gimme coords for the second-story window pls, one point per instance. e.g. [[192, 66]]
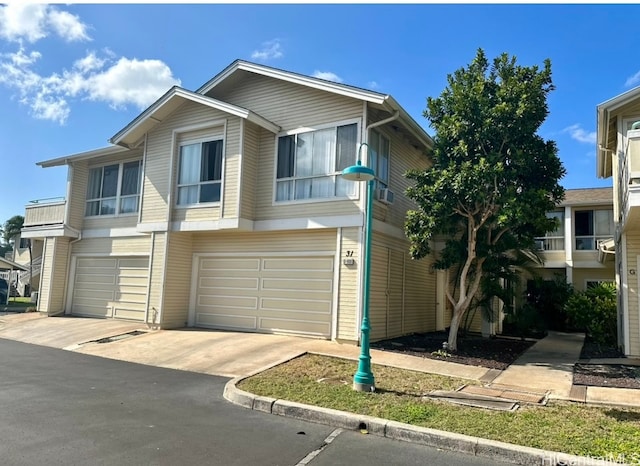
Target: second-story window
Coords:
[[591, 227], [553, 240], [379, 158], [309, 163], [114, 189], [200, 173]]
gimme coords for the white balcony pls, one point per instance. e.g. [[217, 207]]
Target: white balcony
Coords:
[[46, 217], [630, 182]]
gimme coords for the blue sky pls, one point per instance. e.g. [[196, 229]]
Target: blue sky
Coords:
[[71, 76]]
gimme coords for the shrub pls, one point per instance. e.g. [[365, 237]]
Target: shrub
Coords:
[[594, 311]]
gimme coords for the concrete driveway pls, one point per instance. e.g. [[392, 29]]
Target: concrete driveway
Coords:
[[229, 354]]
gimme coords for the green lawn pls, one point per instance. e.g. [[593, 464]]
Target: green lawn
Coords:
[[560, 426]]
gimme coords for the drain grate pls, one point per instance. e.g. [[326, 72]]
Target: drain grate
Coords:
[[525, 397], [119, 337]]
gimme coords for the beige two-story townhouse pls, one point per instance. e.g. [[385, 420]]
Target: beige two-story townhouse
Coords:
[[224, 208], [618, 157]]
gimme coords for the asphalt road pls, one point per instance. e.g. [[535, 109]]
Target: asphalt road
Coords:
[[63, 408]]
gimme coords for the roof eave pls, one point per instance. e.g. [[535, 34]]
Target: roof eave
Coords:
[[411, 124], [109, 150]]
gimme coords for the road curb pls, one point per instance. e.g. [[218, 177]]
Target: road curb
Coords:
[[475, 446]]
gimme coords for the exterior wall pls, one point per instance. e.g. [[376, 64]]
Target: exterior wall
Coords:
[[78, 195], [158, 183], [403, 291], [289, 105], [249, 176], [122, 246], [348, 328], [157, 271], [633, 304], [580, 276], [177, 283], [54, 276]]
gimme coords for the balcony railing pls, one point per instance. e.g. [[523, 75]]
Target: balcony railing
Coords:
[[45, 212]]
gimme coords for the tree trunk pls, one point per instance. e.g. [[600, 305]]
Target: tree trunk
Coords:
[[456, 318]]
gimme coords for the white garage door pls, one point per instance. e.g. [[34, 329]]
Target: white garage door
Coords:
[[110, 287], [265, 294]]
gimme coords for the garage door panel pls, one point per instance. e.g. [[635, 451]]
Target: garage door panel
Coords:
[[297, 284], [295, 326], [230, 264], [226, 321], [228, 302], [110, 287], [232, 283], [295, 264], [97, 263], [291, 294]]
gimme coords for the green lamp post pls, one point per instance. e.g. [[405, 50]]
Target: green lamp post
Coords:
[[363, 380]]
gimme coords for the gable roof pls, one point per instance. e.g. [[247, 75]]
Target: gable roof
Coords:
[[588, 196], [384, 100], [131, 135], [603, 115]]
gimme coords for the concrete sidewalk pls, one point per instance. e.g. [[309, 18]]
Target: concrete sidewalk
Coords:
[[546, 367]]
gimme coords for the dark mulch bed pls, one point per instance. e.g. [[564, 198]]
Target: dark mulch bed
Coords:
[[604, 375], [493, 353]]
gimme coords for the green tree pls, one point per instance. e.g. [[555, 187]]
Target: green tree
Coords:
[[12, 227], [493, 178]]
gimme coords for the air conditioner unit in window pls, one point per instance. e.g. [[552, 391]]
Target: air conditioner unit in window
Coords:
[[384, 195]]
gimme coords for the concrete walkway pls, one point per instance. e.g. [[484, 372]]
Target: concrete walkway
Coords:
[[547, 367]]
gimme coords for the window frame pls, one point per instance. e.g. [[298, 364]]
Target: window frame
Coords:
[[118, 197], [378, 181], [595, 237], [201, 141], [335, 174], [548, 238]]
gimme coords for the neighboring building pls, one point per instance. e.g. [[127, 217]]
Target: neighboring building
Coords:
[[224, 208], [577, 249], [28, 280], [618, 156]]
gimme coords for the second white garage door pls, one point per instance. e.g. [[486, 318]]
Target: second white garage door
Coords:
[[110, 287], [290, 294]]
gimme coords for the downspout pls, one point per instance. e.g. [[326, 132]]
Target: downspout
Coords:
[[393, 117]]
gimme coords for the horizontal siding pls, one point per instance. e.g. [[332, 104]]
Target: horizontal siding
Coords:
[[250, 153], [265, 242], [231, 195], [289, 105], [156, 248], [633, 251], [348, 286], [403, 157], [159, 150], [177, 285], [56, 276], [46, 275], [124, 221], [78, 196], [137, 245]]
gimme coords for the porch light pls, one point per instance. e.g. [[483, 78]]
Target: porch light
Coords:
[[363, 379]]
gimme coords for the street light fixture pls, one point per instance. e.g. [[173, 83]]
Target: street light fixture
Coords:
[[363, 380]]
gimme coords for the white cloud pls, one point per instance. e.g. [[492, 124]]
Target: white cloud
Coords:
[[327, 76], [270, 50], [31, 22], [633, 80], [580, 135], [120, 83], [373, 85]]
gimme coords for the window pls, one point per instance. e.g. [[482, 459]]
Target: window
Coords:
[[309, 164], [114, 189], [200, 173], [24, 243], [379, 158], [553, 240], [592, 226]]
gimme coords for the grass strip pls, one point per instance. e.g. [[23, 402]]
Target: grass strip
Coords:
[[573, 428]]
